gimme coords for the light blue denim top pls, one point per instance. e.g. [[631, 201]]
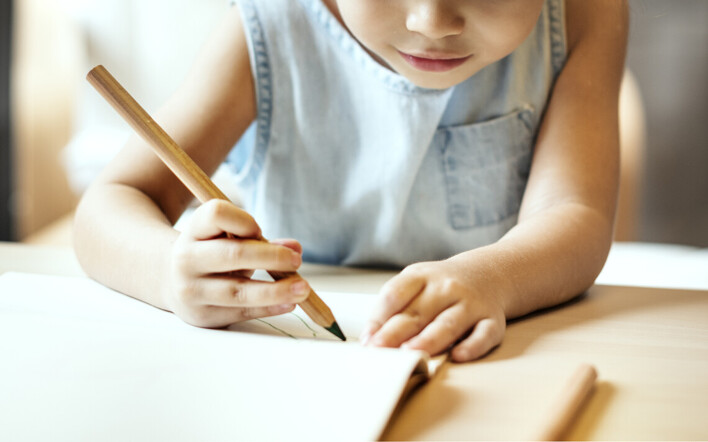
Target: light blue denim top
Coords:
[[365, 168]]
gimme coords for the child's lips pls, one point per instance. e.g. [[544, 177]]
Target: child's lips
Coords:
[[432, 62]]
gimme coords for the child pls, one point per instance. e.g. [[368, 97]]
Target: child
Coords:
[[473, 142]]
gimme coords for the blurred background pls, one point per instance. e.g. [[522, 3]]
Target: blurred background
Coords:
[[56, 133]]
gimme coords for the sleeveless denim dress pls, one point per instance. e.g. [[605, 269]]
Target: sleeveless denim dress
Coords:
[[365, 168]]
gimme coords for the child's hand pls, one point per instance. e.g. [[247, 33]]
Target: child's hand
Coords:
[[209, 283], [432, 306]]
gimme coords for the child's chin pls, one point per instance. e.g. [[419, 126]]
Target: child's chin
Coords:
[[435, 80]]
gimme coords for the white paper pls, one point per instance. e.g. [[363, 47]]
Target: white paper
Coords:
[[350, 311], [82, 362]]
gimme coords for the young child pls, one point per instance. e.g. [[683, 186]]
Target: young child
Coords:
[[473, 142]]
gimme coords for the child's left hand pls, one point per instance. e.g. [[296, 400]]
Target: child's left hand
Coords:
[[433, 306]]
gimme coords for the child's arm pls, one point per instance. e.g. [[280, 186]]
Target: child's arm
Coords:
[[566, 220], [123, 228]]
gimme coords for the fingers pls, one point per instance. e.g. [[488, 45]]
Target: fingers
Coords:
[[202, 249], [214, 317], [396, 294], [486, 335], [223, 255], [410, 321], [430, 308], [445, 329], [242, 292], [289, 243], [211, 277], [215, 217], [220, 301]]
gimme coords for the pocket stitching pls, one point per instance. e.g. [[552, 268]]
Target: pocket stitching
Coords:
[[463, 214]]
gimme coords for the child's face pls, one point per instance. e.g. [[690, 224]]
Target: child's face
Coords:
[[439, 43]]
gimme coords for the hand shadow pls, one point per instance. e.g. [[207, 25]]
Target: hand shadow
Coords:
[[602, 308], [412, 417]]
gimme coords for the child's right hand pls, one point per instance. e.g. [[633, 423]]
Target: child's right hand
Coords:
[[209, 276]]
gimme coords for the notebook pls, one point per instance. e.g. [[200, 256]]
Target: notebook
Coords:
[[83, 362]]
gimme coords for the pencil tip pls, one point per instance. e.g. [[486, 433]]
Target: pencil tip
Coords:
[[336, 331]]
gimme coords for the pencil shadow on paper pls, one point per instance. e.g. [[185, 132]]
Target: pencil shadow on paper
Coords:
[[289, 326], [297, 326], [351, 311]]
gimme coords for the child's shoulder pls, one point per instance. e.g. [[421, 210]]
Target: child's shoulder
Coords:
[[284, 22], [277, 9], [595, 20]]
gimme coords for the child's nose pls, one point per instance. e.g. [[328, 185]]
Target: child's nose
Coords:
[[432, 19]]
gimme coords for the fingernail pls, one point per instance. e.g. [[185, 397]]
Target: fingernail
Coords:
[[364, 338], [296, 259], [374, 341], [378, 341], [412, 343], [300, 288]]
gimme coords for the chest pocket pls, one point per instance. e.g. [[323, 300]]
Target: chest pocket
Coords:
[[485, 167]]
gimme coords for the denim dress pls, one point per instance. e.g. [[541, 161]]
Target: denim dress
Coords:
[[365, 168]]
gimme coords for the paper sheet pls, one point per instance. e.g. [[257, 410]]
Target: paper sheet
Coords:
[[82, 362], [350, 310]]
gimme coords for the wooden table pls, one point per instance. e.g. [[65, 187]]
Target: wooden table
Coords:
[[650, 347]]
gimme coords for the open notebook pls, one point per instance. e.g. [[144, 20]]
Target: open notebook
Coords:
[[82, 362]]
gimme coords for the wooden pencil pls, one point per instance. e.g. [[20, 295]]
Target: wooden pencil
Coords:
[[189, 173], [567, 404]]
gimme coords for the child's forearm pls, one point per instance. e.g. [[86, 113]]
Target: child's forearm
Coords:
[[546, 259], [122, 240]]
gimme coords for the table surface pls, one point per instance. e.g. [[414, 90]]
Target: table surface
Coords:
[[649, 345]]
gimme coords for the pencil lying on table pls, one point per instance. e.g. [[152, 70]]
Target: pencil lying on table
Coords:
[[189, 173], [567, 404]]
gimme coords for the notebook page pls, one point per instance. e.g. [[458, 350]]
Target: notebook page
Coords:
[[84, 362]]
